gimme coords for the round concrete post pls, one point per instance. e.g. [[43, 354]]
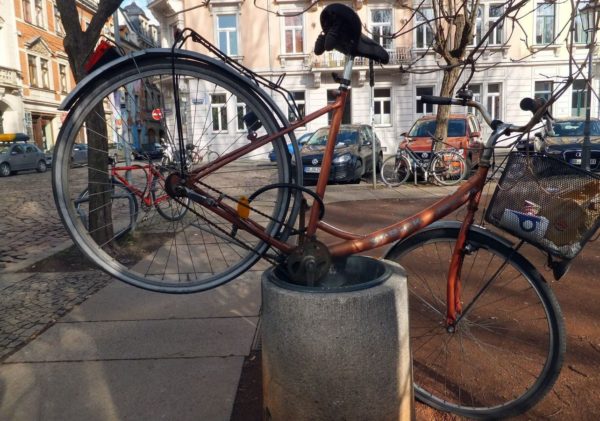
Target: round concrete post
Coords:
[[339, 354]]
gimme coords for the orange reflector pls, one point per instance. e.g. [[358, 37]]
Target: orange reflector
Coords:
[[243, 207]]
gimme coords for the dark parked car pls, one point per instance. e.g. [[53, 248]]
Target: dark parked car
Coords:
[[19, 156], [352, 156], [148, 151], [79, 155], [301, 141], [464, 134], [566, 140]]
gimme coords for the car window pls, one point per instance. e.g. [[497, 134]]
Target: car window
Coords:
[[575, 128], [347, 136], [30, 149], [457, 128], [4, 148], [18, 149], [426, 128]]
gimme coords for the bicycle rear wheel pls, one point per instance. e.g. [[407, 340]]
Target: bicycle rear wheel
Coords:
[[395, 170], [507, 349], [448, 168], [194, 249]]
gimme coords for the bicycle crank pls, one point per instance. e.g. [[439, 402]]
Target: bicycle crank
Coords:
[[308, 263]]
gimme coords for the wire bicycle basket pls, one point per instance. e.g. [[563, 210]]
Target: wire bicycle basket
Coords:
[[547, 202]]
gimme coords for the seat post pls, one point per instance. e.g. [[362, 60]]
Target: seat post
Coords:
[[347, 75]]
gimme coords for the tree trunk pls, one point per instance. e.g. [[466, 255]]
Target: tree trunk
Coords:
[[443, 112]]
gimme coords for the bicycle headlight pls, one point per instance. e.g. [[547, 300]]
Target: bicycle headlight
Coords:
[[342, 158]]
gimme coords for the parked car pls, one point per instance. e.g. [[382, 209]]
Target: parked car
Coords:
[[301, 141], [464, 134], [79, 155], [566, 141], [19, 156], [352, 156], [148, 151]]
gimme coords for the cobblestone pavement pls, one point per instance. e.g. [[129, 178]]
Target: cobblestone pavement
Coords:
[[29, 223], [30, 229], [31, 302]]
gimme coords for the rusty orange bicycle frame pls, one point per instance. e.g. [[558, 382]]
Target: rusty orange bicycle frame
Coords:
[[469, 192]]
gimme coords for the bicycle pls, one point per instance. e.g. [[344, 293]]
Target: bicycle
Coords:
[[196, 157], [447, 166], [124, 196], [489, 303]]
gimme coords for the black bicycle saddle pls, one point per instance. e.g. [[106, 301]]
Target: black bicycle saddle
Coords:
[[342, 32]]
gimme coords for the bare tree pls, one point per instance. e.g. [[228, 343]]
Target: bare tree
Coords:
[[79, 44]]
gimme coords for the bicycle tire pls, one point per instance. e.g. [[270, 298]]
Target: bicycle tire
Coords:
[[212, 156], [200, 250], [167, 207], [506, 352], [122, 200], [448, 168], [395, 170]]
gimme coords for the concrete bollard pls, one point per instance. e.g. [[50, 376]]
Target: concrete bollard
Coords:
[[342, 354]]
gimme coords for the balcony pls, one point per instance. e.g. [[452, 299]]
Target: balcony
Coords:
[[9, 78], [332, 59]]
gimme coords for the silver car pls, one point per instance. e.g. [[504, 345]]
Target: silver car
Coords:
[[20, 156]]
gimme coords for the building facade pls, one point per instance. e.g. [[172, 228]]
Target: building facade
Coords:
[[274, 44]]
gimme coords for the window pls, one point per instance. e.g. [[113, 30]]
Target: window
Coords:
[[382, 106], [421, 107], [33, 72], [580, 98], [58, 26], [476, 89], [424, 35], [27, 11], [293, 34], [381, 27], [347, 117], [38, 13], [227, 34], [62, 76], [478, 32], [543, 89], [580, 36], [45, 73], [496, 12], [241, 112], [493, 100], [544, 23], [219, 112], [300, 100]]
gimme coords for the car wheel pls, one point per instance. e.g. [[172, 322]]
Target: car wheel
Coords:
[[41, 166], [358, 172], [4, 169], [379, 163]]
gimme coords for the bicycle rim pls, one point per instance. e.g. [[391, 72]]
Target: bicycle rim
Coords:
[[395, 171], [506, 351], [448, 168], [184, 253]]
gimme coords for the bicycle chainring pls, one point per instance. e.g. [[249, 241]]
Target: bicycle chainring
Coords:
[[308, 263]]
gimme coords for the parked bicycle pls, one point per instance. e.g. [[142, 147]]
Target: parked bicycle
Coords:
[[126, 197], [197, 155], [447, 166], [478, 307]]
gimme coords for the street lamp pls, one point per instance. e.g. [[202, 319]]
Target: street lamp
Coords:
[[589, 22]]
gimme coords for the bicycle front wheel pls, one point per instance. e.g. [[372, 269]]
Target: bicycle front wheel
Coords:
[[507, 347], [395, 170], [448, 168], [190, 249]]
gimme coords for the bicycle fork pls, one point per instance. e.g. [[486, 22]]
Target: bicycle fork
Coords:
[[453, 286]]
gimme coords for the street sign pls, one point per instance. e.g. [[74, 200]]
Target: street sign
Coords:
[[156, 114]]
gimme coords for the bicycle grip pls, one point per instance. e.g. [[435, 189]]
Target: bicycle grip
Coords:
[[440, 100]]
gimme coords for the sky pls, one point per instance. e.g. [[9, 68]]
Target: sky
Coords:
[[142, 4]]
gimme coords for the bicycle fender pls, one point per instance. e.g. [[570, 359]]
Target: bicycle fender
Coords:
[[141, 56]]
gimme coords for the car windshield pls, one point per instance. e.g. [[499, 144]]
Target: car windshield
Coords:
[[347, 136], [4, 147], [574, 128], [426, 128]]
